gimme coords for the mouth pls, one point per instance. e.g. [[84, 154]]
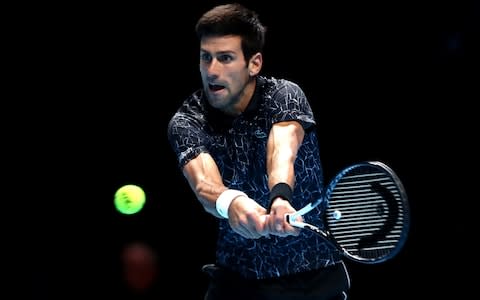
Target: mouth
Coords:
[[215, 87]]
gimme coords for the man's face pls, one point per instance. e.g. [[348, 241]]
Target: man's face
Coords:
[[224, 71]]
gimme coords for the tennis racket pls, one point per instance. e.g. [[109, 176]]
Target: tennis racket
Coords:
[[367, 213]]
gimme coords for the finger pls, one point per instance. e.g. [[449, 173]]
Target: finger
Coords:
[[263, 228], [292, 230], [254, 234], [248, 234], [278, 224], [281, 227], [240, 231]]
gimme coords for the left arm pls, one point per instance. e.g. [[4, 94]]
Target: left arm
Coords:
[[283, 143]]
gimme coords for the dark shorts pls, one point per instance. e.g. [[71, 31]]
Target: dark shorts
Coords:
[[330, 283]]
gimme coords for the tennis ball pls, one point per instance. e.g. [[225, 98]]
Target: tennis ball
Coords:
[[129, 199]]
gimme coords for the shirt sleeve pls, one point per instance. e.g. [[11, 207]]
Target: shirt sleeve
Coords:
[[186, 138], [289, 103]]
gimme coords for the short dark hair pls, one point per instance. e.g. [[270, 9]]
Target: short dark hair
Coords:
[[234, 19]]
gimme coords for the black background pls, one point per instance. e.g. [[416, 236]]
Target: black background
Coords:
[[387, 81]]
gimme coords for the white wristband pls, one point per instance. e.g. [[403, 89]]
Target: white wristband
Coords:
[[225, 199]]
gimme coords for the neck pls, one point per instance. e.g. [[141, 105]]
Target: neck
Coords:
[[243, 99]]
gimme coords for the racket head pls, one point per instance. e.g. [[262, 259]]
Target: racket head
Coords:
[[367, 214]]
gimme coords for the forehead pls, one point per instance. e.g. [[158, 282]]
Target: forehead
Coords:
[[228, 43]]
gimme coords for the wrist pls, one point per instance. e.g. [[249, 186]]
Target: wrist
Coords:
[[280, 190], [225, 199]]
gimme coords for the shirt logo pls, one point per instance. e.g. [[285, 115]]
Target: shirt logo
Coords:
[[260, 134]]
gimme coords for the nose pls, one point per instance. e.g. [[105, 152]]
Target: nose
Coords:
[[213, 68]]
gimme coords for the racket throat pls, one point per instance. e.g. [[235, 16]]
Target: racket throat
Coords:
[[317, 230]]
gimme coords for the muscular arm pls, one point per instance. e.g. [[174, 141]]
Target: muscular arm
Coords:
[[283, 143], [247, 217], [205, 180]]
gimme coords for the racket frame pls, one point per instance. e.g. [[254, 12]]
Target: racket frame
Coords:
[[294, 218]]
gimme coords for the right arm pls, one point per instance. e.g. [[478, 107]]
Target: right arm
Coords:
[[246, 216], [205, 180]]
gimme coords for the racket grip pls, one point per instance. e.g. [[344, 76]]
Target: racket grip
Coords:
[[288, 218]]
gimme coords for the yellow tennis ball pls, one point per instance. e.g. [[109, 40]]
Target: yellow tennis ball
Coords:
[[129, 199]]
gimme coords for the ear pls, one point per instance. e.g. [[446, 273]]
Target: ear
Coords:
[[255, 64]]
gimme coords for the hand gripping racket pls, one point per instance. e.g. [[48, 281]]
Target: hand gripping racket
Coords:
[[367, 213]]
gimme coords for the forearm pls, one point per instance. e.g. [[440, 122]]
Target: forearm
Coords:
[[207, 193], [283, 144], [205, 181], [284, 141], [281, 169]]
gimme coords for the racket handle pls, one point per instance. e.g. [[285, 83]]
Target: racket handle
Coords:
[[289, 218]]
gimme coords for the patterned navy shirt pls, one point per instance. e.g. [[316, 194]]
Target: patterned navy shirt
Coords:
[[238, 145]]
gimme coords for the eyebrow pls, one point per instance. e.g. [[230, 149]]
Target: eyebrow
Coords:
[[220, 52]]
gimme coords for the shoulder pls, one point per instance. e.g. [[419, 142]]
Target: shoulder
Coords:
[[280, 88], [192, 109], [194, 100], [193, 104], [274, 84]]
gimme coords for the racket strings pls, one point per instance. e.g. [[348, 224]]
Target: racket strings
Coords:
[[366, 213]]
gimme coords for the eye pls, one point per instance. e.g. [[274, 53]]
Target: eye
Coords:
[[205, 57], [225, 58]]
